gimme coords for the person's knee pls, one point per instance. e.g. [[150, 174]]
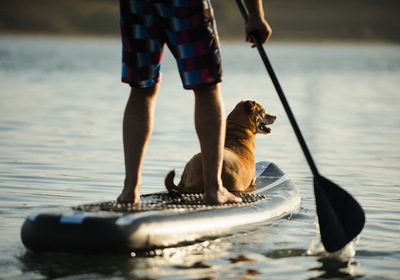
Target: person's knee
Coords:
[[147, 92], [143, 96], [207, 90]]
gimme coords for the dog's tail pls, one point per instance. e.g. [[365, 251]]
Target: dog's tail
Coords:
[[173, 190], [169, 181]]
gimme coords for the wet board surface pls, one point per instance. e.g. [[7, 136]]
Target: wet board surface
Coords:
[[161, 220]]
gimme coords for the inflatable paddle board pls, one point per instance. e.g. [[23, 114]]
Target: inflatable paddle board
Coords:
[[161, 220]]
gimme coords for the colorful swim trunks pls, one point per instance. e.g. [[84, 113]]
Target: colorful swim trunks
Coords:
[[186, 26]]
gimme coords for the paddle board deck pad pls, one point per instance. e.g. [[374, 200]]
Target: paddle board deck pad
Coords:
[[160, 220]]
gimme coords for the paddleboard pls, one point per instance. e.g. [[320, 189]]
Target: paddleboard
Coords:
[[161, 220]]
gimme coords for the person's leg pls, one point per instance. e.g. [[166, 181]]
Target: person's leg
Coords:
[[137, 129], [210, 128]]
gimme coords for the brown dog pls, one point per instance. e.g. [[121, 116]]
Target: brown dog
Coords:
[[238, 172]]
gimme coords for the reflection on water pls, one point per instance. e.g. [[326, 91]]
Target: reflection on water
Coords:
[[188, 262], [61, 106]]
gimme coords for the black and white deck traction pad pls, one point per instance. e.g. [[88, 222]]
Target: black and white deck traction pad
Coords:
[[167, 201], [160, 220]]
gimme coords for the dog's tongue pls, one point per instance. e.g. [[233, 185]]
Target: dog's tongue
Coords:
[[265, 128]]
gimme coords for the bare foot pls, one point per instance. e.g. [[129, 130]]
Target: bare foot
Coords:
[[128, 198], [221, 197]]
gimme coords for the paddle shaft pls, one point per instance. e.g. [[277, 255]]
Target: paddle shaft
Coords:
[[281, 95], [340, 216]]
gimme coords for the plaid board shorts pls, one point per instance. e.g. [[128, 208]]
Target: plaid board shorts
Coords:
[[186, 26]]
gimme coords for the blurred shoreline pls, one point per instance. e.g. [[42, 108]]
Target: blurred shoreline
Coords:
[[223, 40], [363, 21]]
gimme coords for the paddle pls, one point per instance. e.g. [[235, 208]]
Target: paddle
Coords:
[[340, 216]]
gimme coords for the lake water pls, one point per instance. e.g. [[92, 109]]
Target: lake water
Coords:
[[61, 106]]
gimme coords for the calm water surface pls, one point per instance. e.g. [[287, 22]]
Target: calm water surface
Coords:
[[61, 106]]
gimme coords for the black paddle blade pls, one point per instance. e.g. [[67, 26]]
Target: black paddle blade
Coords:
[[340, 216]]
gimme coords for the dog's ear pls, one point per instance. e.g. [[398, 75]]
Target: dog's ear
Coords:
[[250, 106]]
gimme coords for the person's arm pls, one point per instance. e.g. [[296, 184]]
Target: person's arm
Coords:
[[257, 24]]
